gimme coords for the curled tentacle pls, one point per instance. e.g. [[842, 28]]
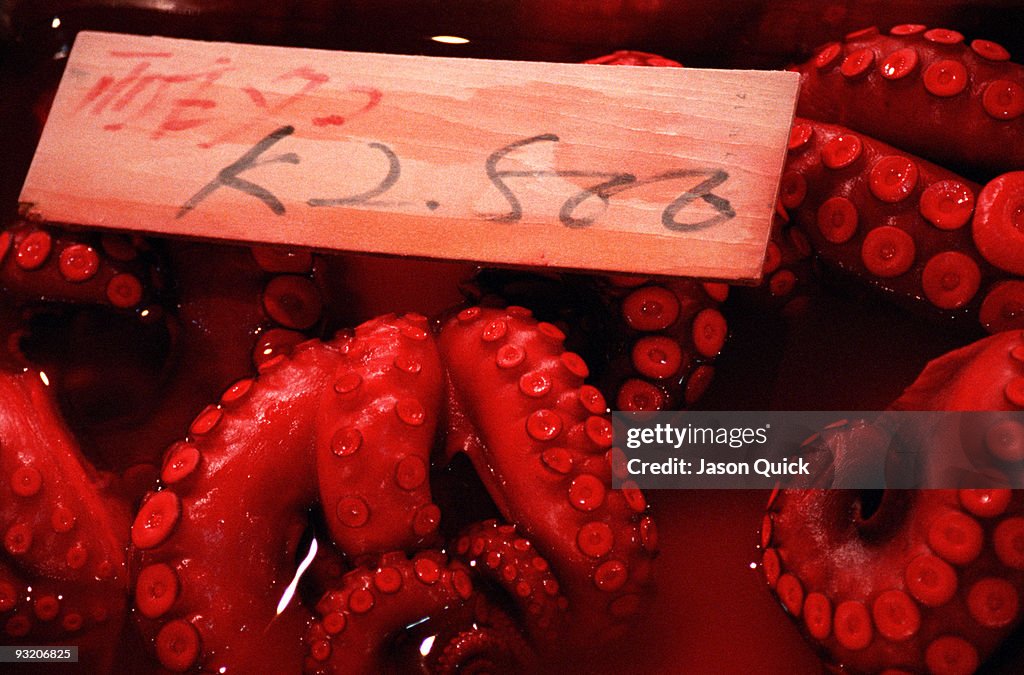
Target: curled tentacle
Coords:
[[925, 581], [63, 572], [42, 267], [492, 645], [230, 308], [927, 90], [205, 314], [346, 424], [497, 552], [404, 612], [540, 441], [922, 581]]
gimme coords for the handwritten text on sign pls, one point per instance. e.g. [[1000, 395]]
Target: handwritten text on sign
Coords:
[[644, 170]]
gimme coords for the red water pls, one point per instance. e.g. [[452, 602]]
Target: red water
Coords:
[[712, 612]]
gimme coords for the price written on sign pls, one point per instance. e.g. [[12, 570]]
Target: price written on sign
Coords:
[[615, 169]]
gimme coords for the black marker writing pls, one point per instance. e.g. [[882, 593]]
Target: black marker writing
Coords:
[[515, 207], [700, 191], [228, 176], [668, 217], [394, 172], [615, 183], [611, 183]]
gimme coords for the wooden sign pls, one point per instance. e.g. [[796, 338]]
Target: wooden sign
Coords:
[[626, 169]]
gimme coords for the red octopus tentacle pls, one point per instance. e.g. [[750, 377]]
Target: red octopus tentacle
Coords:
[[226, 308], [496, 551], [539, 439], [656, 339], [997, 222], [230, 308], [788, 277], [630, 57], [895, 220], [42, 262], [672, 332], [985, 375], [247, 306], [63, 572], [241, 487], [492, 645], [927, 580], [928, 90], [375, 432], [363, 623], [231, 494]]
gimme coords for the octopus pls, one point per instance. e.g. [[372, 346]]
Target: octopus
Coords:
[[922, 235], [334, 442], [905, 581], [440, 493]]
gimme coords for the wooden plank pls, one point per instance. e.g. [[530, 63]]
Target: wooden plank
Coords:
[[635, 170]]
